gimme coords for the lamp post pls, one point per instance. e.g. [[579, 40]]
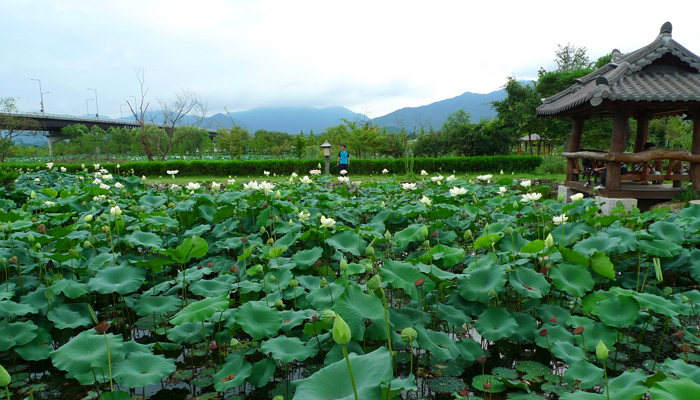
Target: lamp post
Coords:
[[41, 93], [326, 148], [97, 107], [121, 114]]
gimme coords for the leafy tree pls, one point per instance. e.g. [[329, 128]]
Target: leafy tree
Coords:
[[433, 144], [12, 126], [234, 140], [299, 145], [517, 112], [671, 132], [570, 58]]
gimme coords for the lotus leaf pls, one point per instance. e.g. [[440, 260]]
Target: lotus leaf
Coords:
[[142, 369], [572, 279], [158, 305], [123, 279], [71, 315], [258, 320], [599, 243], [86, 351], [588, 374], [411, 233], [200, 310], [601, 264], [306, 258], [234, 372], [479, 283], [219, 286], [190, 332], [286, 349], [618, 311], [11, 310], [194, 247], [496, 323], [667, 231], [529, 283], [38, 349], [348, 242], [497, 385], [17, 334], [333, 381], [398, 385], [356, 306], [439, 344], [403, 276], [262, 372], [70, 288]]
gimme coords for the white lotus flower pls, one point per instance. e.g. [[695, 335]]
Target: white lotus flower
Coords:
[[305, 179], [457, 191], [315, 172], [561, 219], [486, 177], [385, 171], [97, 181], [107, 177], [423, 173], [49, 203], [143, 177], [526, 183], [193, 186], [37, 179], [267, 173], [252, 185], [425, 200], [215, 186], [231, 181], [103, 186], [172, 173], [501, 172], [97, 166], [173, 187], [49, 165], [576, 197], [450, 179], [502, 190], [304, 216], [408, 186], [118, 166], [343, 179], [266, 187], [528, 197], [437, 179], [82, 166], [118, 185], [327, 222], [115, 211], [98, 174], [63, 169]]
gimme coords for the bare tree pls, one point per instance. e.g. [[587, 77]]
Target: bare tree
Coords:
[[182, 119], [139, 112], [12, 126]]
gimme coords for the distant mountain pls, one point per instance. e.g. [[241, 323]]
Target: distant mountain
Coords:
[[413, 118], [286, 119]]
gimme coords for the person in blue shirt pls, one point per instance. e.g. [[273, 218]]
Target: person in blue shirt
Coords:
[[343, 160]]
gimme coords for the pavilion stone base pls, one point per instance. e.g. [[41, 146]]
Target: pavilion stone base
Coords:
[[567, 192], [608, 203]]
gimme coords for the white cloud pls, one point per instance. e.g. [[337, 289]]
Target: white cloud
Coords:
[[372, 57]]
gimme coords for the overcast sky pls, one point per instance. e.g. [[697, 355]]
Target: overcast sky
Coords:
[[372, 57]]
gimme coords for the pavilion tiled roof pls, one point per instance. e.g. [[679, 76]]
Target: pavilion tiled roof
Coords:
[[663, 71]]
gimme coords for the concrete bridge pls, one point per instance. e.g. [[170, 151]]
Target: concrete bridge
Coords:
[[52, 124]]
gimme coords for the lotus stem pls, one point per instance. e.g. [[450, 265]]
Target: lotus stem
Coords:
[[109, 364], [388, 331], [661, 340], [352, 377], [7, 391], [607, 389]]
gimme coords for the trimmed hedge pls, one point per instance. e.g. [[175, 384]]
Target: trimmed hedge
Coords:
[[446, 165]]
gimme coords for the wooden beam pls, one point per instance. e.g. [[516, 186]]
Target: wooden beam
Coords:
[[574, 145], [695, 150], [617, 145], [644, 156]]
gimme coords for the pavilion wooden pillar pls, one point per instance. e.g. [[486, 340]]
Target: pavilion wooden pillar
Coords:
[[642, 132], [617, 146], [574, 145], [695, 149]]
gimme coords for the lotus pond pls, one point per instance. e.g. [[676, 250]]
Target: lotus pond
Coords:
[[445, 288]]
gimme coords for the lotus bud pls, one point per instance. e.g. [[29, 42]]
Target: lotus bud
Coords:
[[543, 332], [424, 231], [549, 241], [685, 298], [88, 218], [383, 204], [291, 222], [273, 278], [408, 335], [374, 283], [467, 234], [30, 238], [270, 241], [37, 246], [137, 227], [258, 268], [343, 264], [370, 250], [668, 291], [323, 283], [3, 227], [278, 195], [492, 293], [426, 243], [508, 230], [601, 351], [387, 235], [262, 230], [234, 342], [578, 331], [508, 269], [5, 378], [561, 197], [86, 244], [279, 303], [92, 239], [327, 318], [516, 205], [32, 195], [9, 225], [293, 283], [341, 331]]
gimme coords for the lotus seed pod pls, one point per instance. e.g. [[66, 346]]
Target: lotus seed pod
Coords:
[[327, 318], [4, 377], [424, 231], [341, 331], [86, 244], [408, 335], [492, 293], [37, 246], [508, 269], [467, 234], [12, 260], [258, 268], [279, 303], [370, 250], [273, 278], [343, 264], [163, 207], [508, 230], [86, 226], [374, 283], [426, 243], [323, 282], [293, 283], [601, 351], [668, 291], [137, 227], [72, 251]]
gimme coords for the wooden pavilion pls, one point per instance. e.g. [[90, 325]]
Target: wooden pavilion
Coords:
[[661, 79]]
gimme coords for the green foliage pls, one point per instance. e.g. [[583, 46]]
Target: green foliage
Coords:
[[552, 165]]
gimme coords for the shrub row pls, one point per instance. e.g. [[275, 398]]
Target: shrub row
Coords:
[[446, 165]]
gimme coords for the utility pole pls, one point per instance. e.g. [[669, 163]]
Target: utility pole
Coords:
[[97, 107]]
